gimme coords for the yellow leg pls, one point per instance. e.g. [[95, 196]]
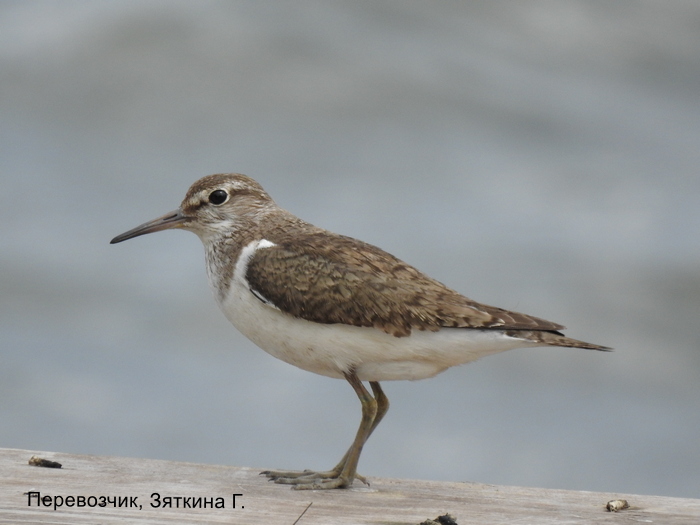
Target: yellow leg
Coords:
[[343, 474]]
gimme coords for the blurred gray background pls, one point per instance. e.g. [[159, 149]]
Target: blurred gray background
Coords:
[[540, 156]]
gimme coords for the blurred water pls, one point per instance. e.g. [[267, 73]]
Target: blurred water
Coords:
[[540, 156]]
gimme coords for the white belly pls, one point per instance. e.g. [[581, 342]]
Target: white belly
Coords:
[[331, 349]]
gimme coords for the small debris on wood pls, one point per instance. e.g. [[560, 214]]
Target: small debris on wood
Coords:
[[445, 519], [41, 462], [617, 505]]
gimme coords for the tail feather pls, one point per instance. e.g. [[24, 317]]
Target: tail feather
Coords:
[[552, 338]]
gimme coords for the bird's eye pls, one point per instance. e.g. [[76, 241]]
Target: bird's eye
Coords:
[[218, 197]]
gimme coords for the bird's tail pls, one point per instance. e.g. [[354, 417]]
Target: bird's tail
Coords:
[[552, 338]]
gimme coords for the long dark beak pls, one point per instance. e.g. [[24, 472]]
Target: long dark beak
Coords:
[[174, 219]]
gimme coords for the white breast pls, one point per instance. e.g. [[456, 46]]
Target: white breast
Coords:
[[331, 349]]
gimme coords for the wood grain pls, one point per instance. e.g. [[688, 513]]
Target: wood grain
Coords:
[[386, 501]]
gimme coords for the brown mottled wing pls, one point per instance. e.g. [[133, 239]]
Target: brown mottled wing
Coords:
[[329, 278]]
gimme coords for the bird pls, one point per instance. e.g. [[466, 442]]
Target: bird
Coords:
[[337, 306]]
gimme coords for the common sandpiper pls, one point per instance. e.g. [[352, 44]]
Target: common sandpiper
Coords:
[[337, 306]]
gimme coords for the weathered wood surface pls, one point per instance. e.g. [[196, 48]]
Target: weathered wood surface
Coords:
[[387, 501]]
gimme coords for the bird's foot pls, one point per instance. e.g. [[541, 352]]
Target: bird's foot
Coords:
[[312, 480]]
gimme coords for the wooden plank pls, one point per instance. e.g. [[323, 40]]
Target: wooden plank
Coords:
[[387, 501]]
